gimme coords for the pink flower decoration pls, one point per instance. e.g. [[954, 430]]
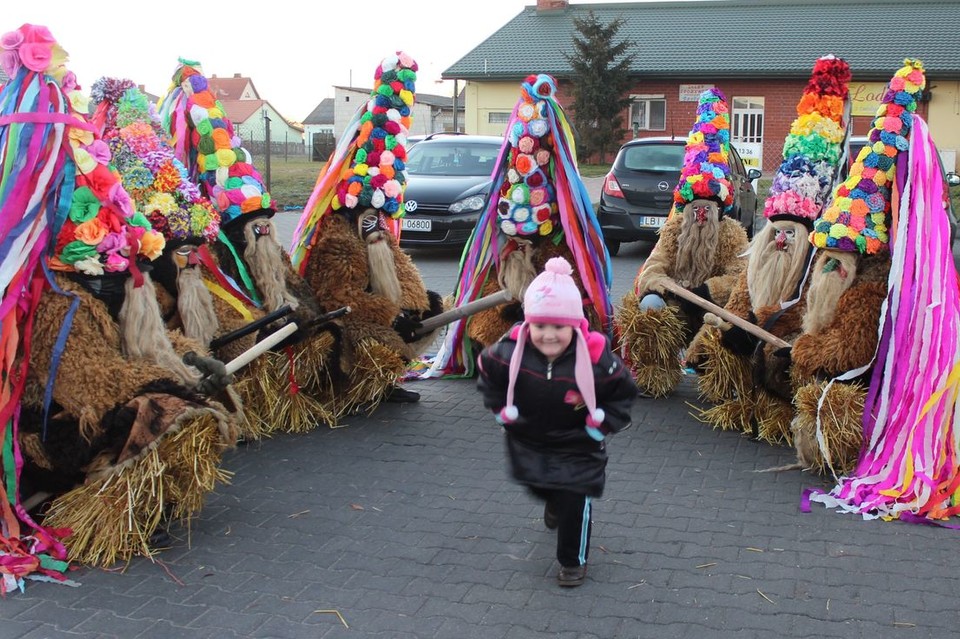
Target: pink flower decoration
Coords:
[[36, 56], [350, 201], [116, 263], [11, 39], [392, 188], [387, 158], [69, 82], [10, 62], [120, 198], [407, 61], [113, 242], [891, 124], [36, 34], [896, 83], [100, 151], [136, 232], [916, 77], [858, 222]]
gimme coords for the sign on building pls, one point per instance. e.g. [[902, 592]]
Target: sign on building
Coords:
[[691, 92], [751, 153], [865, 97]]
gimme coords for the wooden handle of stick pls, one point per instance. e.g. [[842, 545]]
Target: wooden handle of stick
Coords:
[[260, 348], [753, 329], [482, 304]]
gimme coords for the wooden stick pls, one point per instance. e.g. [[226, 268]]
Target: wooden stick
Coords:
[[482, 304], [749, 327], [260, 348]]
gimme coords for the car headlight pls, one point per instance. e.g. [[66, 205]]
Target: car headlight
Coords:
[[468, 204]]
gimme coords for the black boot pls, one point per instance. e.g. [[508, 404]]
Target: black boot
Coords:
[[399, 395]]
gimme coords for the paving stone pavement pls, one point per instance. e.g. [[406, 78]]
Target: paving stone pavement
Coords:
[[403, 524]]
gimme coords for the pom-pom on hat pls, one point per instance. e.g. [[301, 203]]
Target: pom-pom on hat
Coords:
[[144, 159], [224, 168], [376, 177], [553, 298], [706, 161], [813, 146], [857, 219], [527, 204]]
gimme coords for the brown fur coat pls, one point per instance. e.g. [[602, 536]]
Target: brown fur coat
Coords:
[[486, 327], [851, 338], [338, 272], [727, 267]]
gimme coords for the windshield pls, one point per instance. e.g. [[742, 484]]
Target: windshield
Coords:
[[452, 158], [653, 157]]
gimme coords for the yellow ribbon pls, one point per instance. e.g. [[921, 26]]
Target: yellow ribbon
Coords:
[[222, 293]]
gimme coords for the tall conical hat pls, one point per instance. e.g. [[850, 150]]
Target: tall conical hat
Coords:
[[706, 162], [144, 159], [858, 217], [205, 141], [813, 146]]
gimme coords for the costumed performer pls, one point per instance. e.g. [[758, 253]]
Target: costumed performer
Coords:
[[284, 391], [700, 248], [908, 464], [539, 209], [188, 275], [346, 247], [737, 371], [848, 286], [106, 400]]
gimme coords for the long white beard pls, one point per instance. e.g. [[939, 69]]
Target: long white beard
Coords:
[[773, 275], [268, 266], [143, 335], [826, 289], [195, 305], [696, 250], [383, 270]]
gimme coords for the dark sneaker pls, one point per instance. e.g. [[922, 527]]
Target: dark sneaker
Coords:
[[571, 576], [549, 517], [400, 395]]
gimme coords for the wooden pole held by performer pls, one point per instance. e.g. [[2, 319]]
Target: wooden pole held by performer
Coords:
[[482, 304], [749, 327]]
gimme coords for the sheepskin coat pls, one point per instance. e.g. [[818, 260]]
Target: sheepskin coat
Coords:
[[337, 270], [486, 327], [727, 265], [849, 341]]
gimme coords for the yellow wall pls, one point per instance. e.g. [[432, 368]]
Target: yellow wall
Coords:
[[944, 120], [482, 98]]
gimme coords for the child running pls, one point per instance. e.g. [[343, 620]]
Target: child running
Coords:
[[557, 401]]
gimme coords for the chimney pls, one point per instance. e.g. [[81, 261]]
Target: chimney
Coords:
[[236, 75], [552, 5]]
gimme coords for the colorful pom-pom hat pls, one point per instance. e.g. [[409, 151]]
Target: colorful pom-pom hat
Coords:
[[367, 170], [706, 161], [143, 158], [527, 204], [857, 219], [205, 141], [813, 146]]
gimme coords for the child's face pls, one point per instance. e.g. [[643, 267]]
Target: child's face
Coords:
[[551, 339]]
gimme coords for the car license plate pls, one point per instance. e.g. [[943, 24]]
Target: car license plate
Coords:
[[652, 221], [415, 224]]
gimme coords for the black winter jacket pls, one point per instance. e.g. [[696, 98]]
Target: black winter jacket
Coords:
[[548, 446]]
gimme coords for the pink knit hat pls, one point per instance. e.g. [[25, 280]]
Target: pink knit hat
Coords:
[[553, 298]]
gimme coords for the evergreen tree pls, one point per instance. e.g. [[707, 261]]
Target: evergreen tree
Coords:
[[601, 78]]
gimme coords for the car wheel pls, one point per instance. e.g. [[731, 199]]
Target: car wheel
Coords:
[[613, 247]]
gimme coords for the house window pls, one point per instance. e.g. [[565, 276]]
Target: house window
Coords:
[[648, 113], [498, 117], [748, 120]]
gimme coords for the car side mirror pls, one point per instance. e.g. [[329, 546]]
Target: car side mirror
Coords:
[[753, 174], [953, 179]]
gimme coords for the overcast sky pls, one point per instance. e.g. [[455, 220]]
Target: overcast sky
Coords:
[[294, 55]]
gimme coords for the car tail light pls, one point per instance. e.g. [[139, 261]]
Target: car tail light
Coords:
[[611, 187]]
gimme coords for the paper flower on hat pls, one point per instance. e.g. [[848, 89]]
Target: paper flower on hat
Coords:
[[527, 204], [225, 169], [376, 176], [706, 165], [857, 219], [813, 146], [145, 161]]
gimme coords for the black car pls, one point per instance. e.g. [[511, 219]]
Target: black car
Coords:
[[448, 183], [637, 193], [951, 179]]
